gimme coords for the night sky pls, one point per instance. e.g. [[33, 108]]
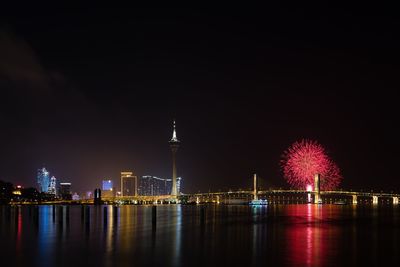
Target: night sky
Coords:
[[92, 92]]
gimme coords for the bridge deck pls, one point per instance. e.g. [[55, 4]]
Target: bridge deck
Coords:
[[217, 196]]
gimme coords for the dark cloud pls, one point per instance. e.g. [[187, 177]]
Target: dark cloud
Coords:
[[20, 64], [25, 81]]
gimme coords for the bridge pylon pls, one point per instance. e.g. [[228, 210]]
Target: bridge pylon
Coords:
[[317, 197], [255, 194]]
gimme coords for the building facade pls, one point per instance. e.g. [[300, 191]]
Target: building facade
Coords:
[[43, 180], [129, 184], [107, 188], [52, 187], [65, 191], [107, 185], [156, 186]]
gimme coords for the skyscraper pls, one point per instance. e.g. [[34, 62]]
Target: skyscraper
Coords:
[[107, 188], [174, 144], [52, 186], [156, 186], [65, 191], [43, 179], [107, 185], [153, 186], [128, 184]]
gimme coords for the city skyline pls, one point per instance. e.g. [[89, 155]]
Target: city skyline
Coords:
[[51, 183], [89, 106], [174, 144]]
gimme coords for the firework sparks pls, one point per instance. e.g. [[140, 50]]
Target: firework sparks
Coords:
[[305, 158]]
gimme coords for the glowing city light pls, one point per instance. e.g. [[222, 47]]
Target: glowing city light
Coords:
[[16, 192]]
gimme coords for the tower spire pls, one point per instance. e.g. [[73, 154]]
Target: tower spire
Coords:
[[174, 138]]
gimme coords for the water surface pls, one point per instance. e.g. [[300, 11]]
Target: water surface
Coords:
[[284, 235]]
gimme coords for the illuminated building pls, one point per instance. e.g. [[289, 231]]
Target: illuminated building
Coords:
[[108, 188], [52, 187], [128, 184], [75, 196], [17, 190], [65, 191], [174, 144], [107, 185], [43, 179], [155, 186]]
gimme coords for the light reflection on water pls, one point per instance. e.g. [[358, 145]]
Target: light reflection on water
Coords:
[[291, 235]]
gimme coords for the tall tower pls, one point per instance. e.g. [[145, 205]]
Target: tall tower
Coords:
[[174, 144]]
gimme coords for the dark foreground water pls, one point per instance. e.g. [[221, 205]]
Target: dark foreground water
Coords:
[[287, 235]]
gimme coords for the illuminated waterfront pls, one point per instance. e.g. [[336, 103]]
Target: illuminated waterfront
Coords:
[[197, 235]]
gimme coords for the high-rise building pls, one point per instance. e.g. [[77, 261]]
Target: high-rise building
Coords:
[[52, 187], [107, 185], [155, 186], [107, 188], [43, 179], [128, 184], [174, 144], [65, 191], [97, 196]]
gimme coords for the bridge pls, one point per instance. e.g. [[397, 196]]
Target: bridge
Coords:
[[273, 197], [311, 195], [245, 196], [296, 197]]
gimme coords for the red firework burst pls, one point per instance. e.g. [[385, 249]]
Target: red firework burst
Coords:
[[305, 158]]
